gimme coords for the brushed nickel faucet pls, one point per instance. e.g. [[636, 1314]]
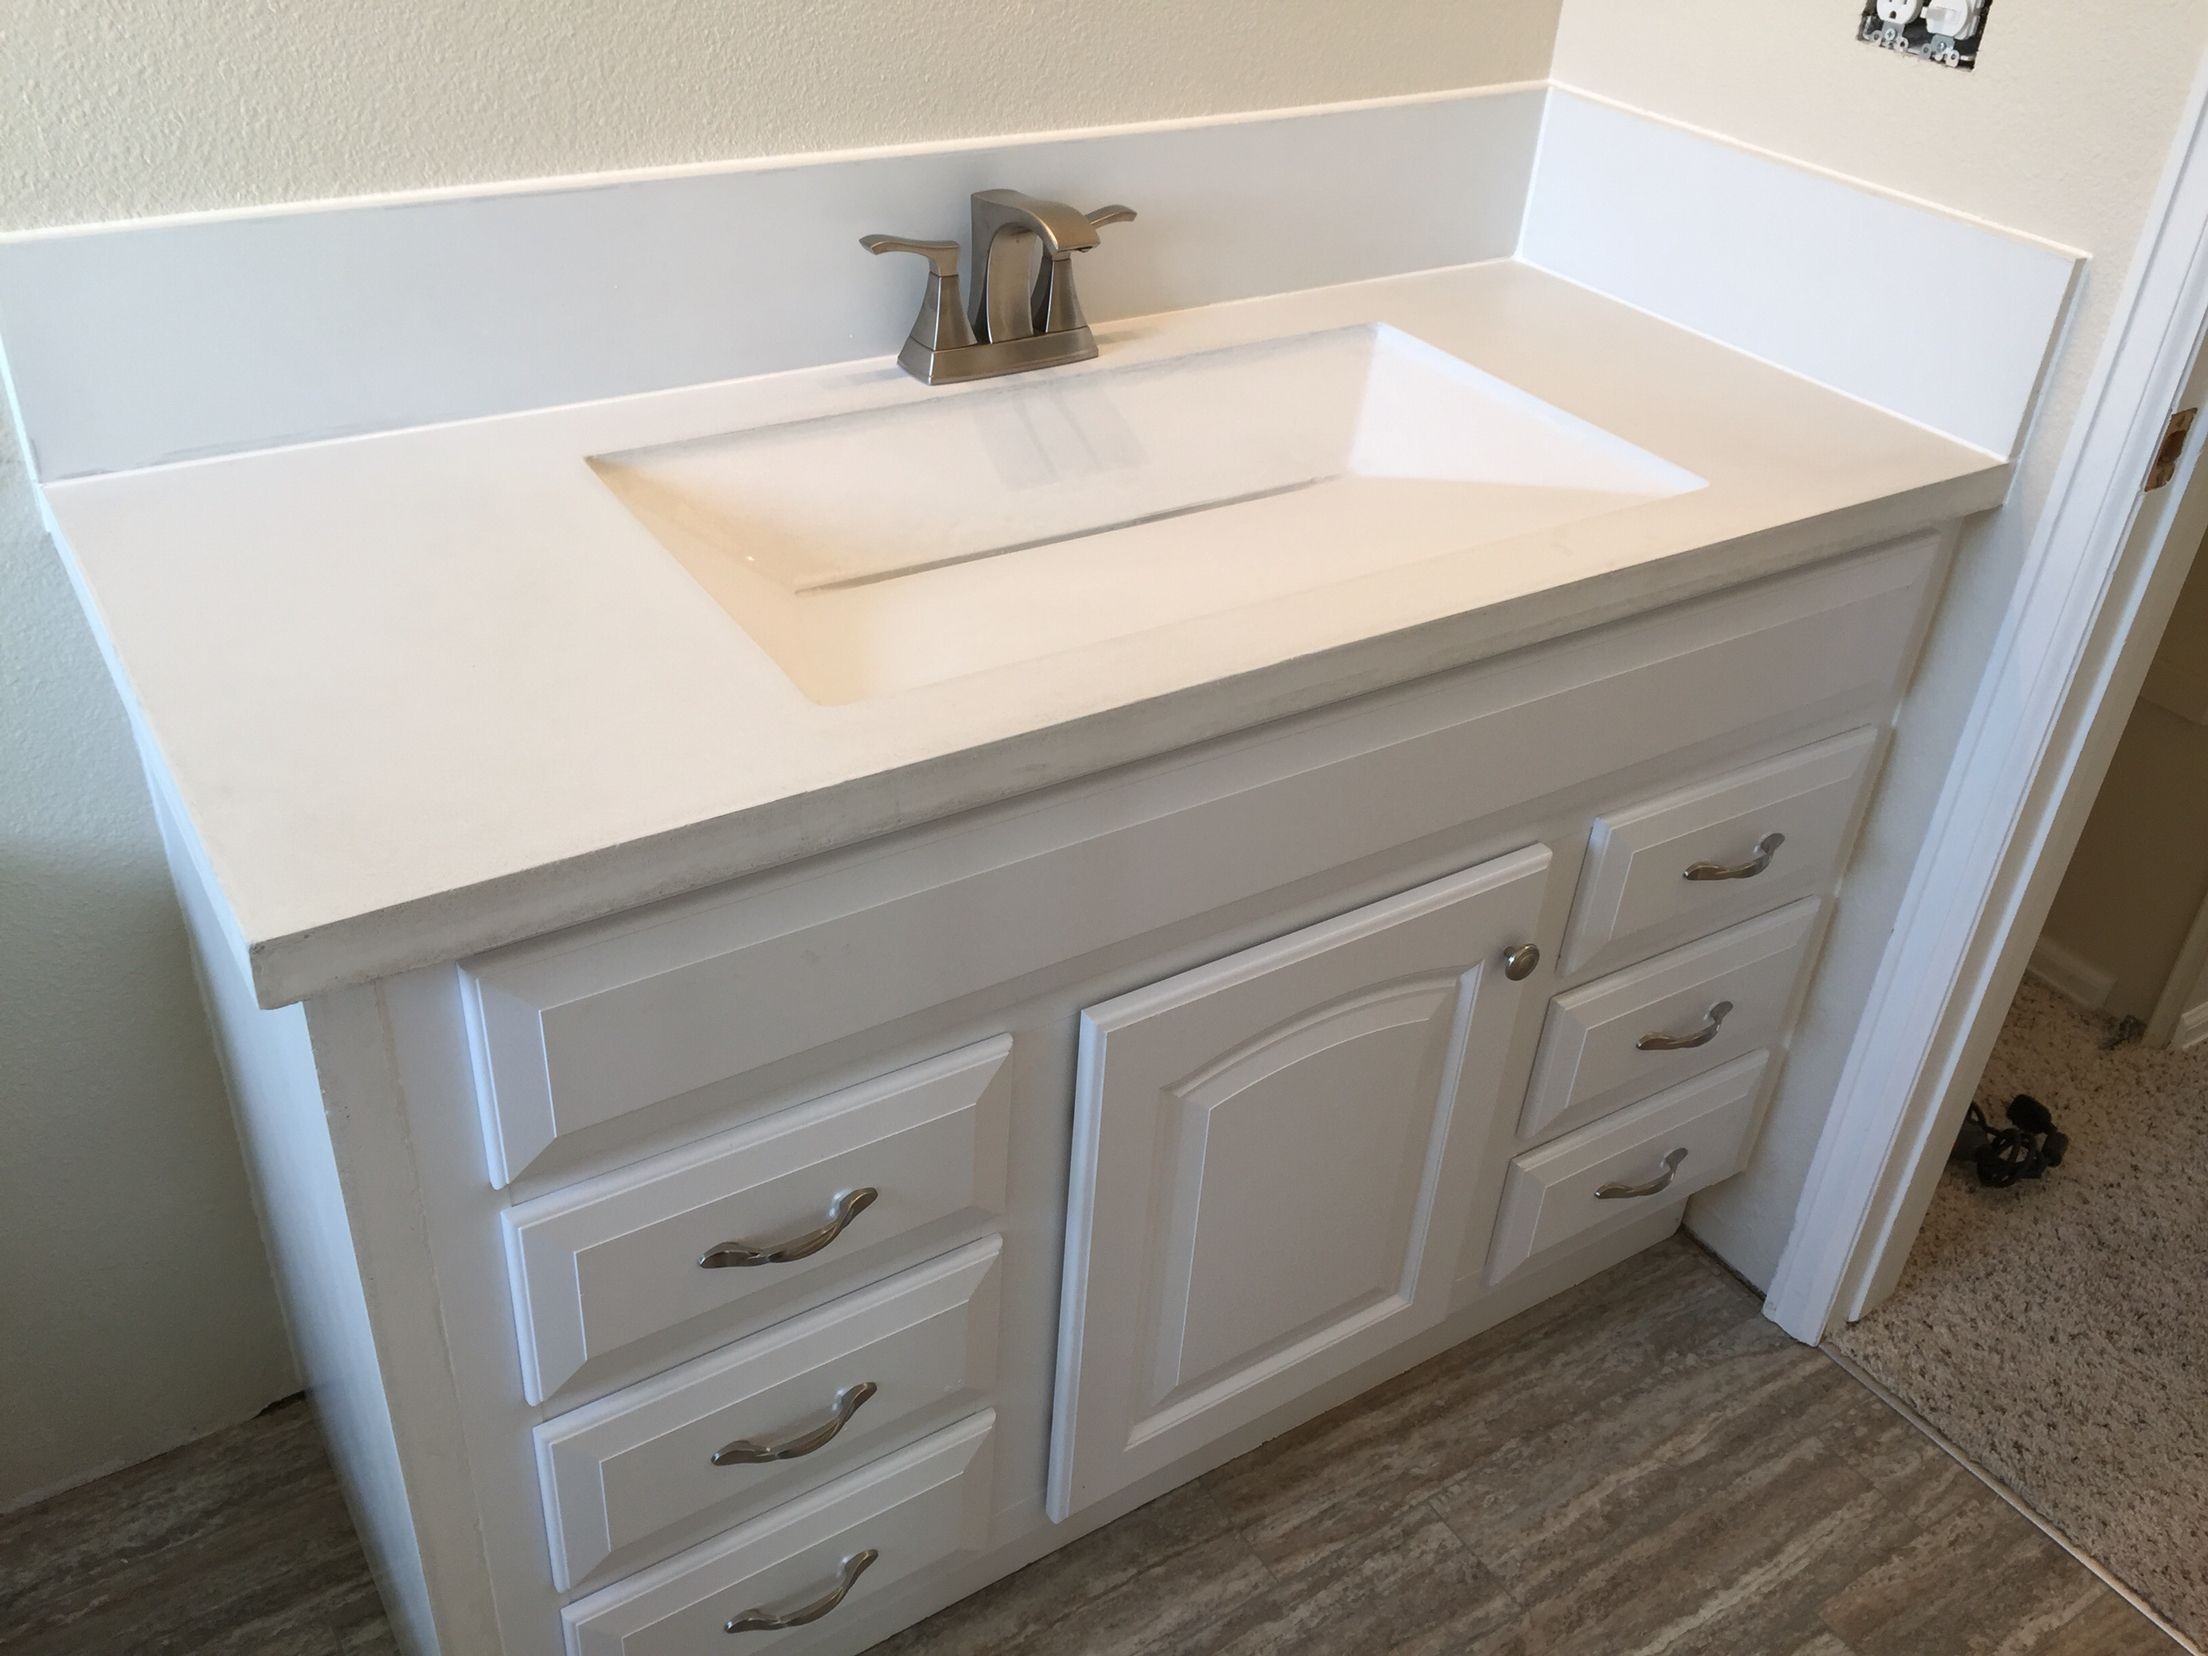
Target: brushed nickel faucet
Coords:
[[1016, 324]]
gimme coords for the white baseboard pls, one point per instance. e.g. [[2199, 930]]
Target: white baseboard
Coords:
[[2069, 973], [2192, 1026]]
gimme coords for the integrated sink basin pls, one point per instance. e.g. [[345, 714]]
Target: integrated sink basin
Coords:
[[884, 549]]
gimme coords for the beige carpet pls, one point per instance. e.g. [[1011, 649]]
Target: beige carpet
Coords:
[[2057, 1331]]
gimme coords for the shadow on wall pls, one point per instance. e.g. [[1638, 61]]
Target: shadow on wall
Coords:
[[2136, 884], [134, 1290]]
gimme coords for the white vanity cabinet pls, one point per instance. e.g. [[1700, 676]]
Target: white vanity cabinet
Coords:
[[811, 1250]]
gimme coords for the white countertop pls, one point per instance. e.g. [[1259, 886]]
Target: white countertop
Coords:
[[429, 691]]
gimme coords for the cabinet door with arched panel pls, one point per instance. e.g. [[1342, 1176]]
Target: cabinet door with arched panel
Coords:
[[1278, 1160]]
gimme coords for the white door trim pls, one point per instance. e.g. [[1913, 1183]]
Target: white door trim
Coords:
[[2067, 665], [2181, 1014]]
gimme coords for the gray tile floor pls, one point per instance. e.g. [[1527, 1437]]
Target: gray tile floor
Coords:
[[238, 1543], [1643, 1465]]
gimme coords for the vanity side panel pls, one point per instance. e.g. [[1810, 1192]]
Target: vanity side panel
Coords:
[[289, 1123], [268, 1061]]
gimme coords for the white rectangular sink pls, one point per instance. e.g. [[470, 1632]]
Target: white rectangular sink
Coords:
[[889, 548]]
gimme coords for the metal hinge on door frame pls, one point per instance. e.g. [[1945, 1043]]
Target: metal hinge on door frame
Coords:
[[2164, 469]]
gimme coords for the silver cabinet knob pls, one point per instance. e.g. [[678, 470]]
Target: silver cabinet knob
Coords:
[[1519, 962]]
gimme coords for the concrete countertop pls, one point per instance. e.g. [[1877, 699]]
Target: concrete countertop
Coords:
[[421, 693]]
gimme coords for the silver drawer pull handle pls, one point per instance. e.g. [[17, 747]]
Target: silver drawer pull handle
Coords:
[[766, 1621], [845, 1208], [1765, 849], [1712, 1021], [1654, 1187], [746, 1452]]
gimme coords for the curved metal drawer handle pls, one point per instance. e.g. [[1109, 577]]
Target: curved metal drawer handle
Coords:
[[747, 1452], [845, 1208], [1765, 849], [1713, 1021], [766, 1621], [1655, 1186]]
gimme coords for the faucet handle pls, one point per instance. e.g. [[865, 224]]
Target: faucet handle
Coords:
[[1056, 307], [942, 256], [941, 324]]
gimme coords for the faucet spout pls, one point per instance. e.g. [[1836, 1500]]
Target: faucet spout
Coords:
[[1064, 229], [1006, 223]]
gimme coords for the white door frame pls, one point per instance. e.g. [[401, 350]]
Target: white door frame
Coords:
[[2181, 1014], [2072, 652]]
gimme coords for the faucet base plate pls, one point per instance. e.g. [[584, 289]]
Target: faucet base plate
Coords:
[[960, 363]]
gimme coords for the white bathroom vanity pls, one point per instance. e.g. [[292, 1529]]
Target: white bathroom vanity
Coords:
[[830, 982]]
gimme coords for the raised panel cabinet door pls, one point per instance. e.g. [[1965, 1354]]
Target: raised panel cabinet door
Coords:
[[1277, 1159]]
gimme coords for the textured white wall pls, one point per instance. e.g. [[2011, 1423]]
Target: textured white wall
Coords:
[[135, 1303], [139, 106], [2136, 882], [2062, 131], [135, 1308]]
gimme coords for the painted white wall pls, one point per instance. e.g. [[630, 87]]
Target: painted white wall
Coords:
[[135, 1306], [139, 106], [2052, 135], [2137, 880]]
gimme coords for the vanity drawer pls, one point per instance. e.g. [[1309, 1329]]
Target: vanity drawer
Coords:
[[1553, 1197], [706, 1003], [617, 1259], [872, 1529], [1706, 855], [823, 1391], [1622, 1037]]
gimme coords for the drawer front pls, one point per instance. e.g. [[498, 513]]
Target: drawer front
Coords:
[[1667, 1020], [1613, 1171], [617, 1259], [872, 1530], [1715, 852], [650, 1467], [572, 1033]]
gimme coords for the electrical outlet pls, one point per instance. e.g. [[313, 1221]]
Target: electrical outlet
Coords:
[[1946, 32]]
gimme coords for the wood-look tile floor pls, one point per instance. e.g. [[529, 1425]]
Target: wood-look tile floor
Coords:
[[239, 1543], [1641, 1465]]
